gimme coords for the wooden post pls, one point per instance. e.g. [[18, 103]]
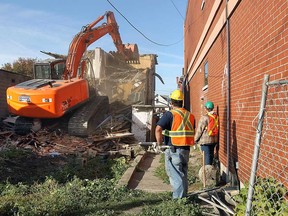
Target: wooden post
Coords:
[[204, 171]]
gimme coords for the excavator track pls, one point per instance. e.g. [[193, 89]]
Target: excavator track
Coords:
[[23, 125], [88, 117]]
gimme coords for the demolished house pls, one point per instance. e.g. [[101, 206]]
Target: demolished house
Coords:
[[132, 82]]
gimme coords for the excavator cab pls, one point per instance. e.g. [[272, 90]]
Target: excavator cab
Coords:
[[49, 69]]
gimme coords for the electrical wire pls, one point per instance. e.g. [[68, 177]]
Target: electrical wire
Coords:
[[177, 9], [159, 44]]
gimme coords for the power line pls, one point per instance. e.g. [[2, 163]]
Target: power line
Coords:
[[159, 44], [177, 9]]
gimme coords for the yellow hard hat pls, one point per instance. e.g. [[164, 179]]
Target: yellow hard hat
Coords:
[[177, 95]]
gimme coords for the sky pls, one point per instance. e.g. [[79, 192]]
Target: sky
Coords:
[[29, 26]]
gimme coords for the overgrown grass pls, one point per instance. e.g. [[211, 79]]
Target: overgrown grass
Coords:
[[20, 165], [173, 207], [86, 190], [85, 197], [76, 197]]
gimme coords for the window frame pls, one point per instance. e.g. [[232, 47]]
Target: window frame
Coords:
[[206, 74]]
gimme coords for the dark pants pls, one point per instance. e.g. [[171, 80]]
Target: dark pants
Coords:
[[208, 152]]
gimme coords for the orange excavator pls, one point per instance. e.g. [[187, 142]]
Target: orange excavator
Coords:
[[60, 85]]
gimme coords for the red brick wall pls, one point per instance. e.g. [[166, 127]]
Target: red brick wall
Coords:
[[258, 46], [194, 27], [8, 79]]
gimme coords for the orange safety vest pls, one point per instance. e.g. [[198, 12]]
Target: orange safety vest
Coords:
[[213, 125], [182, 129]]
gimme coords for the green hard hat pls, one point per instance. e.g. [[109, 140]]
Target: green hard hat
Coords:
[[209, 105]]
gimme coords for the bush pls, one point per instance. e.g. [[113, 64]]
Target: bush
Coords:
[[51, 198], [268, 198], [173, 207]]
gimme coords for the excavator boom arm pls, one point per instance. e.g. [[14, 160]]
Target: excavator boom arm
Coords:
[[88, 35]]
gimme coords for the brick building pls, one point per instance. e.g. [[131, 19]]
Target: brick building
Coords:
[[228, 48], [8, 79]]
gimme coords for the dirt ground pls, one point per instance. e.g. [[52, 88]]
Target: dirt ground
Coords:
[[195, 163]]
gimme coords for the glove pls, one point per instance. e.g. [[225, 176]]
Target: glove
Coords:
[[156, 147]]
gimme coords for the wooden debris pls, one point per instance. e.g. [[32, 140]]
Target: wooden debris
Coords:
[[112, 136], [216, 205], [46, 143], [217, 199]]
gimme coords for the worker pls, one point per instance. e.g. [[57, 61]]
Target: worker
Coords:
[[207, 132], [178, 128]]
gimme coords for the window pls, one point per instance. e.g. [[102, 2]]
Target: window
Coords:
[[58, 70], [206, 74], [42, 72], [202, 4]]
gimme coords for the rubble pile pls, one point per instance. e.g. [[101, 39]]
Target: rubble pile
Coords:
[[112, 136]]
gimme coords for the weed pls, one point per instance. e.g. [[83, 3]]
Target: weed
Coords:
[[173, 207], [268, 198], [84, 189]]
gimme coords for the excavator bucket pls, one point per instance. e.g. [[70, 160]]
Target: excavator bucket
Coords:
[[133, 53]]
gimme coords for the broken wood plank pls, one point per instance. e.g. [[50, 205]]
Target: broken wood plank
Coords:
[[112, 136], [216, 205], [222, 204], [5, 132], [203, 191]]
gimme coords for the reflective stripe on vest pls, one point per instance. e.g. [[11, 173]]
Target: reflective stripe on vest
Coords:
[[215, 117], [182, 129]]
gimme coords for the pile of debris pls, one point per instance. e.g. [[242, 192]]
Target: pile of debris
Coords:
[[112, 136]]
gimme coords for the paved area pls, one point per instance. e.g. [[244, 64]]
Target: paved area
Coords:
[[141, 175]]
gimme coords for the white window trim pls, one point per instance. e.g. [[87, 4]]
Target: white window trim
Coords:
[[205, 87]]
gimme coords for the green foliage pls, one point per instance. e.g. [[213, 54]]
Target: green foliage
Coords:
[[7, 66], [21, 65], [27, 167], [268, 198], [173, 207], [80, 197], [118, 167], [93, 168], [51, 198], [14, 153], [97, 194]]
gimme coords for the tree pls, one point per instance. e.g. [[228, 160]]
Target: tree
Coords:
[[21, 65]]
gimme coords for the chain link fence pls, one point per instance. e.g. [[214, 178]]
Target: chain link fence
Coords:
[[267, 193]]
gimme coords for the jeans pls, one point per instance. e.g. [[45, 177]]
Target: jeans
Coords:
[[176, 165], [209, 153]]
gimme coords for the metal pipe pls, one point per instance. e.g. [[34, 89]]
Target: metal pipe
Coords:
[[257, 145], [228, 91], [278, 82]]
